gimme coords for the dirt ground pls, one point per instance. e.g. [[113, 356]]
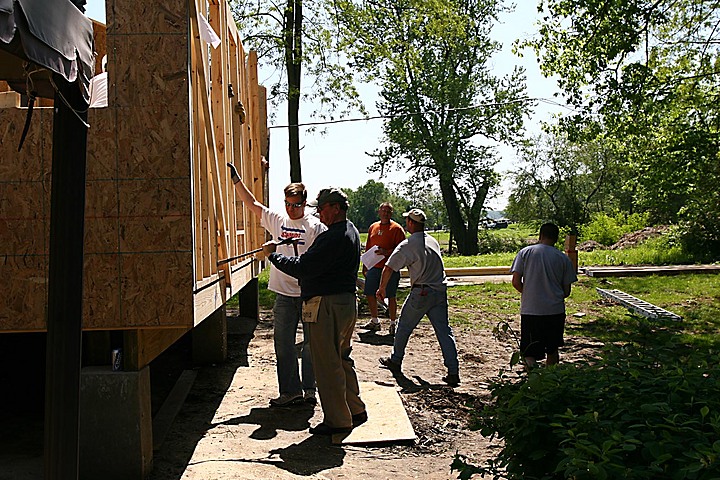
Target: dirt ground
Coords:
[[226, 429]]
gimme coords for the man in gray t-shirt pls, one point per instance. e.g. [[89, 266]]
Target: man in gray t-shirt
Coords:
[[543, 275], [420, 253]]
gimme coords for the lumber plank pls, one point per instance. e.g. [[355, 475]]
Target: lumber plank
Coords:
[[387, 419], [141, 346]]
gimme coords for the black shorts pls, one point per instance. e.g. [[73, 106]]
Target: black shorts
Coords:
[[541, 334]]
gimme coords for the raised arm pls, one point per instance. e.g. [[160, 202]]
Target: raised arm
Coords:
[[244, 193]]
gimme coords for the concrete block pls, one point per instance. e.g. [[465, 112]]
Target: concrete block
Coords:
[[115, 424]]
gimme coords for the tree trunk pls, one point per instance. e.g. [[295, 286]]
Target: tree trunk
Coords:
[[465, 234], [293, 65]]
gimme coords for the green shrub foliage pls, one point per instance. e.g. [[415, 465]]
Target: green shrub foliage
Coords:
[[641, 412], [607, 229]]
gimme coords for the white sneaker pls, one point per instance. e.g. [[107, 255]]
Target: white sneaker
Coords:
[[287, 399]]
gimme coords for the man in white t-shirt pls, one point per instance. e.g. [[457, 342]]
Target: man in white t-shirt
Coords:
[[287, 311]]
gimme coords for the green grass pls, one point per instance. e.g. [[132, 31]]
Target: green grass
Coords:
[[487, 260], [696, 298], [659, 251]]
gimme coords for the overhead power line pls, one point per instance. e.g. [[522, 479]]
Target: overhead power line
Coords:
[[379, 117]]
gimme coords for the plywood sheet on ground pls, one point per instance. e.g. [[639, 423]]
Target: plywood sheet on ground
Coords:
[[387, 419]]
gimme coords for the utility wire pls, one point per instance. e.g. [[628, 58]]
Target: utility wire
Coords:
[[378, 117]]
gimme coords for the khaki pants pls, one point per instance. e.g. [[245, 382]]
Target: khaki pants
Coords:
[[330, 345]]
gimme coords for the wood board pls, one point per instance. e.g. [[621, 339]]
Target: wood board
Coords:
[[387, 419]]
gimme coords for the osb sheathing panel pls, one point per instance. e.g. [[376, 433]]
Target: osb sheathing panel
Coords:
[[148, 69], [155, 215], [101, 291], [21, 218], [23, 282], [154, 142], [158, 16], [25, 165], [24, 219], [169, 301], [102, 145], [102, 230]]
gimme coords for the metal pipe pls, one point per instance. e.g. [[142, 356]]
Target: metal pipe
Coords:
[[284, 241]]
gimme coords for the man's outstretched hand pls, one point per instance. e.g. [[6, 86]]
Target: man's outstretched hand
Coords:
[[233, 173]]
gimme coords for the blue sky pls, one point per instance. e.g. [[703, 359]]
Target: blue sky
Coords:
[[338, 158]]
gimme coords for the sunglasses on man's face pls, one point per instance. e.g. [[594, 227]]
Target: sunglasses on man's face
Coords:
[[294, 205], [320, 208]]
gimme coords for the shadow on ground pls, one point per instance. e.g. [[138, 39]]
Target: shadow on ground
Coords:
[[373, 338], [211, 385], [272, 419]]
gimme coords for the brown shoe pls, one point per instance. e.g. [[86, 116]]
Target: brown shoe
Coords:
[[323, 429]]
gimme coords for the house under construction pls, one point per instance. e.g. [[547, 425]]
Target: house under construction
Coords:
[[161, 216]]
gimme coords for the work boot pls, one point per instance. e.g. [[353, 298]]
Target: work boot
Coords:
[[309, 397], [374, 326], [452, 379], [287, 399], [391, 365]]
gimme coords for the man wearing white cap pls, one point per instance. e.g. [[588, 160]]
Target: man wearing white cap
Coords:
[[420, 253]]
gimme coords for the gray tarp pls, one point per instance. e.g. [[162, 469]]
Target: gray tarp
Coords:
[[52, 35]]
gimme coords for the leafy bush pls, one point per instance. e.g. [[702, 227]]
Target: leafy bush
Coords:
[[493, 242], [607, 229], [664, 250], [702, 239], [641, 412]]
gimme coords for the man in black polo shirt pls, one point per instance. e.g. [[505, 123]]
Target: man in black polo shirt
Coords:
[[327, 272]]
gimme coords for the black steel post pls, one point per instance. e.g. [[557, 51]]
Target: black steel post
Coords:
[[65, 281]]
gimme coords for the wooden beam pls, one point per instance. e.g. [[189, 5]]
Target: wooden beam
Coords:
[[142, 346], [212, 161]]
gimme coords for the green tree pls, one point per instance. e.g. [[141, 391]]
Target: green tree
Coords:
[[296, 39], [645, 73], [429, 199], [364, 203], [565, 182], [444, 106]]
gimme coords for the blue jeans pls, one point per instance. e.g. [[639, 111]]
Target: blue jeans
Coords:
[[434, 304], [288, 312]]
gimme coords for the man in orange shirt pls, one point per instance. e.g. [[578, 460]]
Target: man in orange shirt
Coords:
[[387, 235]]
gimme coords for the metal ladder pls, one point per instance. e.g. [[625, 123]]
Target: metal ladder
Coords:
[[635, 305]]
